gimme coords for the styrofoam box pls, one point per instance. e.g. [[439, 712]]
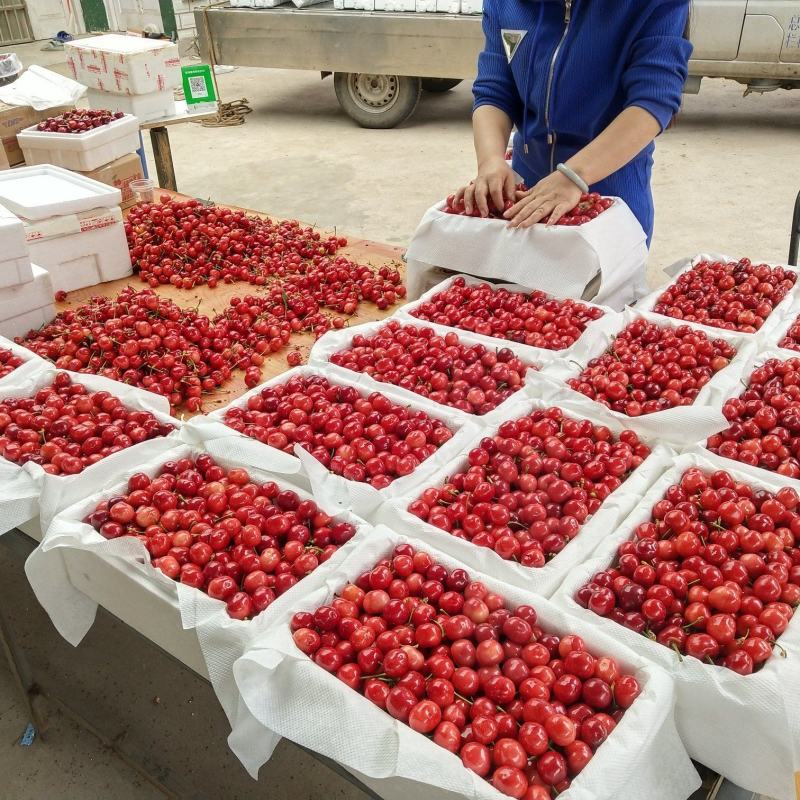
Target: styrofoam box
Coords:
[[27, 306], [126, 65], [15, 261], [448, 6], [395, 5], [81, 151], [36, 193], [258, 3], [145, 107], [80, 250], [425, 6], [472, 6]]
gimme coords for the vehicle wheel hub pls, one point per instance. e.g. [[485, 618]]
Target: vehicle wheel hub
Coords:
[[373, 93]]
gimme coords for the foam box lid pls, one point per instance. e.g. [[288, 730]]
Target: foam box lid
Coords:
[[121, 44], [47, 191], [24, 297], [12, 236]]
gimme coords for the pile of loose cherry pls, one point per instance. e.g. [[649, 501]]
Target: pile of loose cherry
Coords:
[[714, 574], [470, 378], [529, 488], [791, 341], [522, 707], [765, 420], [184, 244], [589, 207], [216, 530], [8, 362], [650, 368], [145, 340], [65, 427], [737, 295], [79, 120], [531, 318], [364, 438]]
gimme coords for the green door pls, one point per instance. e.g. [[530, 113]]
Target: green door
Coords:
[[94, 15]]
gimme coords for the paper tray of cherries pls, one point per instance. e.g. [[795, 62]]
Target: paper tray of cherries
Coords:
[[452, 368], [16, 362], [330, 431], [560, 260], [654, 374], [703, 580], [59, 430], [546, 326], [308, 678], [534, 493], [218, 547], [722, 293]]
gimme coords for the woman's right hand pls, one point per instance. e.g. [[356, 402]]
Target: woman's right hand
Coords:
[[495, 181]]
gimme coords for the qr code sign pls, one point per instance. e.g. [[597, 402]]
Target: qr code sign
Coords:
[[198, 87]]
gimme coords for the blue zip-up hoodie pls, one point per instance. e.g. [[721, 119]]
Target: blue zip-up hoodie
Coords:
[[593, 59]]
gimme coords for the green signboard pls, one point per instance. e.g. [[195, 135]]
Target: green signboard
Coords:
[[198, 86]]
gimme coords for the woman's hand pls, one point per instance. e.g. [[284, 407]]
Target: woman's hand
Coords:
[[549, 200], [495, 181]]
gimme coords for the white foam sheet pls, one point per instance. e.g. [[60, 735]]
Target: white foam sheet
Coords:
[[338, 340], [27, 490], [680, 426], [774, 320], [747, 728], [302, 468], [543, 580], [559, 259], [45, 191], [283, 693], [70, 544], [531, 353]]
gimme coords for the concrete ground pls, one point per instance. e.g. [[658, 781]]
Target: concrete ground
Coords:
[[724, 181]]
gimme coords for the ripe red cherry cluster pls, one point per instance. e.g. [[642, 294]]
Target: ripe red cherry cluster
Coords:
[[368, 439], [442, 368], [589, 207], [65, 427], [737, 295], [649, 368], [714, 574], [791, 341], [216, 530], [532, 318], [458, 208], [80, 120], [522, 707], [765, 420], [8, 362], [145, 340], [530, 488]]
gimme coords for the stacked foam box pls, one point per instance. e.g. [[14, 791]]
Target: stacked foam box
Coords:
[[418, 6], [127, 73], [26, 291], [72, 226], [106, 154]]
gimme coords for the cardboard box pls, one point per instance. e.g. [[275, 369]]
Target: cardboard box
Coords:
[[12, 120], [120, 173]]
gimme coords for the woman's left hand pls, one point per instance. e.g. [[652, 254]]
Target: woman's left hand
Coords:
[[549, 200]]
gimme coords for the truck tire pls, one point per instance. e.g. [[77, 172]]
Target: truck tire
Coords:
[[377, 101], [438, 85]]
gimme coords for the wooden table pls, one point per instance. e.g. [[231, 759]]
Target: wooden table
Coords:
[[213, 301], [159, 139]]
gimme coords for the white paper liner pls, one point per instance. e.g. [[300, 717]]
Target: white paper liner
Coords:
[[27, 490], [32, 362], [531, 353], [221, 638], [542, 580], [747, 728], [774, 320], [561, 260], [333, 490], [290, 696], [338, 340], [680, 426]]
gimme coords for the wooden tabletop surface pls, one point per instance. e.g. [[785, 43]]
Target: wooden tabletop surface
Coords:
[[213, 301]]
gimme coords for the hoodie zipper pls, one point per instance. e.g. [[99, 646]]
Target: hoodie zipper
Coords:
[[551, 136]]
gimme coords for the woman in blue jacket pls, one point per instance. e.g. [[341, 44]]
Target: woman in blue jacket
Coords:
[[588, 85]]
